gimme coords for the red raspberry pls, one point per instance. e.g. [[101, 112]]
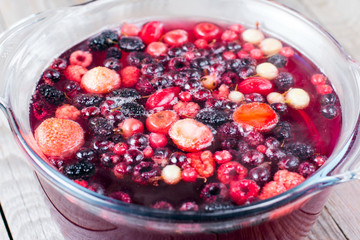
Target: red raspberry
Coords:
[[324, 89], [318, 79], [129, 76], [256, 53], [201, 43], [243, 54], [231, 171], [272, 189], [229, 36], [75, 73], [120, 148], [287, 52], [185, 96], [129, 30], [186, 109], [238, 28], [243, 191], [222, 156], [229, 55], [203, 162], [288, 179], [81, 58], [248, 47], [222, 92], [189, 174], [67, 112]]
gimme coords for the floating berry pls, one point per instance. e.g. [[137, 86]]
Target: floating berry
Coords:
[[59, 64], [284, 81], [121, 196], [81, 170], [270, 46], [242, 191], [214, 192], [189, 175], [252, 157], [229, 36], [102, 146], [271, 142], [238, 28], [85, 155], [171, 174], [272, 189], [113, 64], [100, 80], [319, 160], [146, 173], [148, 152], [231, 171], [324, 89], [228, 131], [51, 95], [133, 157], [100, 126], [236, 96], [176, 37], [81, 58], [120, 148], [283, 130], [161, 156], [156, 49], [113, 52], [328, 99], [259, 116], [59, 137], [137, 59], [299, 149], [162, 99], [179, 159], [157, 140], [41, 110], [151, 31], [132, 109], [228, 55], [51, 76], [222, 157], [190, 135], [267, 70], [87, 100], [109, 159], [130, 44], [161, 122], [128, 29], [67, 112], [138, 141], [289, 179], [256, 85], [254, 97], [275, 97], [306, 169], [289, 162], [189, 206], [212, 117], [260, 175], [209, 81], [122, 169], [254, 138], [287, 52], [103, 41], [297, 98], [278, 60], [163, 205], [318, 79], [274, 154], [185, 96], [207, 31], [253, 36], [203, 162], [201, 43], [130, 126], [280, 108]]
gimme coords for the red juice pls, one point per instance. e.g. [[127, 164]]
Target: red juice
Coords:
[[285, 136]]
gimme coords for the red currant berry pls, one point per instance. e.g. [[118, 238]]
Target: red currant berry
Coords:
[[148, 152], [189, 175], [229, 36], [287, 52], [261, 148], [324, 89], [248, 47], [185, 96], [201, 43], [256, 53], [120, 148], [207, 31], [157, 140], [238, 28], [318, 79], [229, 55], [176, 37], [243, 54]]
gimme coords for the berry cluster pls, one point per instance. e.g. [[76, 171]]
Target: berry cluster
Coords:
[[208, 113]]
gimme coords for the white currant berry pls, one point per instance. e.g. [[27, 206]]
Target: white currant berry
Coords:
[[209, 81], [297, 98], [267, 70], [236, 96], [171, 174], [275, 97], [253, 36], [270, 46]]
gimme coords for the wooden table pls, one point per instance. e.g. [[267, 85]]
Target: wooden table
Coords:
[[23, 211]]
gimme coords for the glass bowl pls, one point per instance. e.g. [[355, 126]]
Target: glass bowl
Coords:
[[29, 47]]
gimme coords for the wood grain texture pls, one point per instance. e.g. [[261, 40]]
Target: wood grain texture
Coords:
[[21, 198]]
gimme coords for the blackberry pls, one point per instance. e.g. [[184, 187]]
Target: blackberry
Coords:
[[103, 41], [80, 170], [113, 52], [216, 206], [199, 63], [132, 109], [284, 81], [137, 59], [125, 93], [327, 99], [211, 117], [283, 130], [146, 173], [214, 192], [300, 150], [51, 95], [87, 100], [85, 155], [218, 48], [144, 87], [278, 60], [130, 44], [228, 131], [113, 64], [100, 126], [254, 138], [330, 111], [306, 169]]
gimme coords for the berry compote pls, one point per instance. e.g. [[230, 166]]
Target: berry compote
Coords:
[[190, 116]]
